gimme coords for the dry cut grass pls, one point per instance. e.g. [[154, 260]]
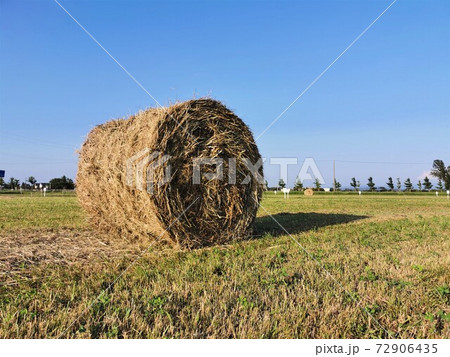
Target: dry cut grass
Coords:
[[388, 256]]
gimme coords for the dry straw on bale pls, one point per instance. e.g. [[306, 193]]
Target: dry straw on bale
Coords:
[[309, 192], [177, 212]]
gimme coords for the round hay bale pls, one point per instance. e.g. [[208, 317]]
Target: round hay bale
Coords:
[[309, 192], [121, 195]]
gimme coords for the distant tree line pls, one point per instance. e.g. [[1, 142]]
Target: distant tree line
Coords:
[[408, 185], [439, 171], [61, 183]]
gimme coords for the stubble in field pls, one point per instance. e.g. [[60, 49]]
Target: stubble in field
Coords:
[[386, 256]]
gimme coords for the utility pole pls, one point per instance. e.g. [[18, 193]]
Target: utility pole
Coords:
[[334, 176]]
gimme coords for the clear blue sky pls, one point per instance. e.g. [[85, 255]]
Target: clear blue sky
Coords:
[[386, 100]]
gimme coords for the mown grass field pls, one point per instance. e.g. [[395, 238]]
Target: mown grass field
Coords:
[[383, 255]]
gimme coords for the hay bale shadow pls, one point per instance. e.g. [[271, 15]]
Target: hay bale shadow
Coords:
[[299, 222]]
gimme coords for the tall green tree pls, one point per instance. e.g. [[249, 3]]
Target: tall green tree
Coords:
[[441, 172], [13, 183], [337, 184], [419, 185], [354, 183], [317, 184], [298, 185], [371, 184], [390, 184], [31, 180], [427, 184], [2, 182], [399, 184], [439, 185], [62, 183], [281, 183], [408, 184]]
